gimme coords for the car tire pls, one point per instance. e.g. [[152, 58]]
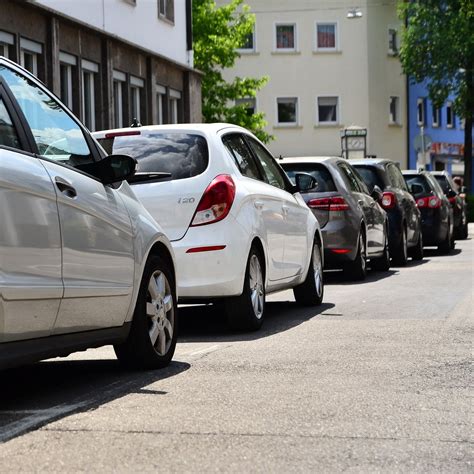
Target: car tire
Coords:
[[382, 263], [465, 231], [246, 312], [400, 257], [311, 291], [152, 339], [357, 269], [447, 244], [416, 253]]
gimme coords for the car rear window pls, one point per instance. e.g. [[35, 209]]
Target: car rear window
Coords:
[[420, 180], [443, 182], [183, 155], [318, 171], [370, 176]]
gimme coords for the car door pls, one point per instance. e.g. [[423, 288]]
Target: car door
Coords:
[[97, 248], [295, 216], [30, 240], [262, 201]]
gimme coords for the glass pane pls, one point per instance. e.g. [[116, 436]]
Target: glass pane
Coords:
[[319, 172], [326, 36], [8, 135], [273, 174], [327, 109], [242, 156], [287, 111], [285, 36], [370, 177], [57, 135]]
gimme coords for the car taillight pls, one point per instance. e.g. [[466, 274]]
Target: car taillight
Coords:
[[452, 200], [388, 200], [334, 203], [216, 201], [432, 202]]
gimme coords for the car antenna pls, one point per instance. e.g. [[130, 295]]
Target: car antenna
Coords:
[[135, 123]]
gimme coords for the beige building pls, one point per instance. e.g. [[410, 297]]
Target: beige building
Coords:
[[330, 66]]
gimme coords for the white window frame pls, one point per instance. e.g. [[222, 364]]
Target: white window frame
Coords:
[[288, 99], [391, 51], [295, 35], [252, 101], [33, 49], [6, 40], [250, 50], [68, 61], [435, 116], [88, 72], [136, 89], [336, 36], [119, 79], [160, 99], [174, 97], [420, 107], [338, 117], [394, 120], [68, 99], [164, 16], [450, 124]]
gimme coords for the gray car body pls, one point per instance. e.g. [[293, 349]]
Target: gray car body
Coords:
[[341, 229]]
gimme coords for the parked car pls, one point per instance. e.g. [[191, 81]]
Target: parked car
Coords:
[[404, 218], [82, 263], [238, 226], [354, 226], [458, 202], [436, 212]]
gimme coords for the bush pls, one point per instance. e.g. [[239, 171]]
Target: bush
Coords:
[[470, 207]]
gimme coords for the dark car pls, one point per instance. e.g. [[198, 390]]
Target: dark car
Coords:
[[405, 236], [436, 211], [353, 225], [458, 203]]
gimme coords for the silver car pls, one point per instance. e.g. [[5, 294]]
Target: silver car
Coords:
[[353, 225], [82, 263]]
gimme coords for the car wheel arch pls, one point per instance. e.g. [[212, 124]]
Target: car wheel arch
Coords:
[[160, 249], [258, 244]]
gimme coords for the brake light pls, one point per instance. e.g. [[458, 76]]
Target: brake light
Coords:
[[216, 201], [388, 200], [432, 202], [334, 203], [122, 134], [452, 200]]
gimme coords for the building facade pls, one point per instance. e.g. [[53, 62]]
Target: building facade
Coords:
[[443, 133], [330, 66], [110, 61]]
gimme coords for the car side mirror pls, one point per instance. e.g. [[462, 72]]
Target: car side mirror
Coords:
[[415, 189], [305, 182], [376, 194], [111, 169]]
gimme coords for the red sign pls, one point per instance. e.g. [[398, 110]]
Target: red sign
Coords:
[[452, 149]]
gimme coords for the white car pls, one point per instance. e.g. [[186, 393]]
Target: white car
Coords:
[[238, 227], [82, 263]]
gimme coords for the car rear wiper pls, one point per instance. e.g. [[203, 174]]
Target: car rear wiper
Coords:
[[138, 178]]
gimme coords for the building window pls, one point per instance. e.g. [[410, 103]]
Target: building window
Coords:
[[328, 110], [119, 81], [287, 110], [326, 39], [249, 44], [166, 10], [89, 74], [449, 115], [175, 106], [392, 42], [29, 52], [66, 64], [286, 37], [160, 100], [7, 41], [394, 110], [436, 116], [249, 103], [136, 97], [420, 112]]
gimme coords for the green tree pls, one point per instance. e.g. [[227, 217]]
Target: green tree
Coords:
[[218, 32], [438, 47]]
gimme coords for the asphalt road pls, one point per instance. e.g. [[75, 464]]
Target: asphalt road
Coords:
[[378, 379]]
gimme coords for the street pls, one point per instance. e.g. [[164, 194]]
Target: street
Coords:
[[376, 379]]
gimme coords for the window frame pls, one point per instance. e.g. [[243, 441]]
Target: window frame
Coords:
[[253, 49], [294, 49], [166, 16], [321, 123], [13, 111], [450, 110], [252, 157], [322, 49], [252, 101], [435, 116], [420, 110], [288, 124], [160, 94], [394, 120], [393, 41]]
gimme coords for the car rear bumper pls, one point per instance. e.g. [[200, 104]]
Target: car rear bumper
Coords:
[[340, 243], [434, 232]]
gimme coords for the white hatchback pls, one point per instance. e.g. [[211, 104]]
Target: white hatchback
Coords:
[[239, 228]]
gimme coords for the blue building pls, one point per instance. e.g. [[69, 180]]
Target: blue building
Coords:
[[441, 125]]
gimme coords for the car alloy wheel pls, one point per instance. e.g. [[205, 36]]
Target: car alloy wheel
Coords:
[[256, 286], [310, 292]]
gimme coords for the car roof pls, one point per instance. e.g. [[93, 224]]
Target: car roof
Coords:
[[309, 159], [371, 161], [440, 173]]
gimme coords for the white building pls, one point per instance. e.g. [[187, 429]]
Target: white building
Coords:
[[330, 66]]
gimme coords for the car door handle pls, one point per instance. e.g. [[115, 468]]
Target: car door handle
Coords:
[[285, 209], [66, 188], [258, 204]]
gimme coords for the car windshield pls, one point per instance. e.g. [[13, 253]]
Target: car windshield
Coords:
[[370, 176], [318, 171], [183, 155], [443, 182], [420, 180]]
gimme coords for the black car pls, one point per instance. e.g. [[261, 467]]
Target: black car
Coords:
[[436, 211], [405, 235], [458, 203]]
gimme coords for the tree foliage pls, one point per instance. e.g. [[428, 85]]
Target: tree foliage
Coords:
[[218, 32], [438, 47]]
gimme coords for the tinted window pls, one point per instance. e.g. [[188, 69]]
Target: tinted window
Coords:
[[272, 172], [8, 135], [318, 171], [350, 177], [443, 182], [183, 155], [370, 176], [434, 184], [420, 180], [57, 135], [242, 155]]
